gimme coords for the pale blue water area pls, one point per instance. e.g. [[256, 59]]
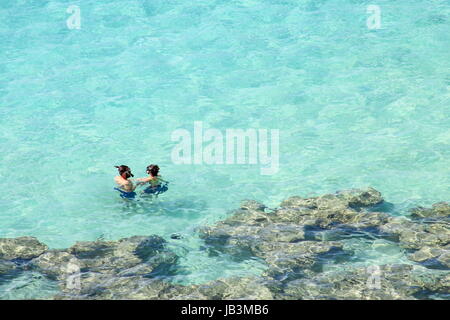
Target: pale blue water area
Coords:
[[355, 108]]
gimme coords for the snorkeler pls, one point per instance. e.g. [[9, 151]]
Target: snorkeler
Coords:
[[125, 186], [156, 184]]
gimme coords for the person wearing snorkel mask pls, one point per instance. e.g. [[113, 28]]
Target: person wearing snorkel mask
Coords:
[[155, 183], [125, 186]]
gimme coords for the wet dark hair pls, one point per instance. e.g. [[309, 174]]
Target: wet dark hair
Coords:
[[124, 169], [153, 169]]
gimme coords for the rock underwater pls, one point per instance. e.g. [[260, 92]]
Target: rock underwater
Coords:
[[303, 243], [296, 239], [22, 248]]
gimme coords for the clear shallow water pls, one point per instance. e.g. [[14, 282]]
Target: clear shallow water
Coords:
[[354, 107]]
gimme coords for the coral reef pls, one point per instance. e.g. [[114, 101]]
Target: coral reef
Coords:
[[297, 241]]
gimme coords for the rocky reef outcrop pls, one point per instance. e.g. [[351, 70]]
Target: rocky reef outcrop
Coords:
[[299, 234], [386, 282], [22, 248], [303, 243], [296, 239], [438, 210], [86, 268], [425, 235]]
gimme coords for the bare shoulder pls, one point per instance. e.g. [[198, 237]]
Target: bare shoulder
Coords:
[[121, 181]]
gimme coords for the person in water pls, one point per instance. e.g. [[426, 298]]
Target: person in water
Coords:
[[155, 182], [125, 186]]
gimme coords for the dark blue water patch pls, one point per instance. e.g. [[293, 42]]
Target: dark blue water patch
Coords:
[[313, 233], [13, 269], [385, 206], [340, 232], [164, 271], [9, 271], [156, 7], [431, 20], [431, 220], [434, 264], [334, 256], [231, 252], [294, 274], [429, 295], [149, 247]]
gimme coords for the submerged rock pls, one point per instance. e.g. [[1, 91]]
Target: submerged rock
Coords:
[[330, 210], [246, 237], [8, 271], [297, 241], [135, 288], [22, 248], [354, 198], [429, 240], [282, 246], [55, 264], [252, 205], [92, 249], [438, 210], [96, 286], [294, 241], [418, 236], [433, 257], [123, 255], [6, 267], [15, 254], [96, 265], [288, 260], [387, 282], [234, 288], [240, 289], [282, 237], [415, 235], [147, 247]]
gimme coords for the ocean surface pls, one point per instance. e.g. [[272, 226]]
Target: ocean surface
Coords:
[[355, 107]]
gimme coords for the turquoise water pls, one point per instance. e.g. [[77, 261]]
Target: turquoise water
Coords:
[[355, 108]]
